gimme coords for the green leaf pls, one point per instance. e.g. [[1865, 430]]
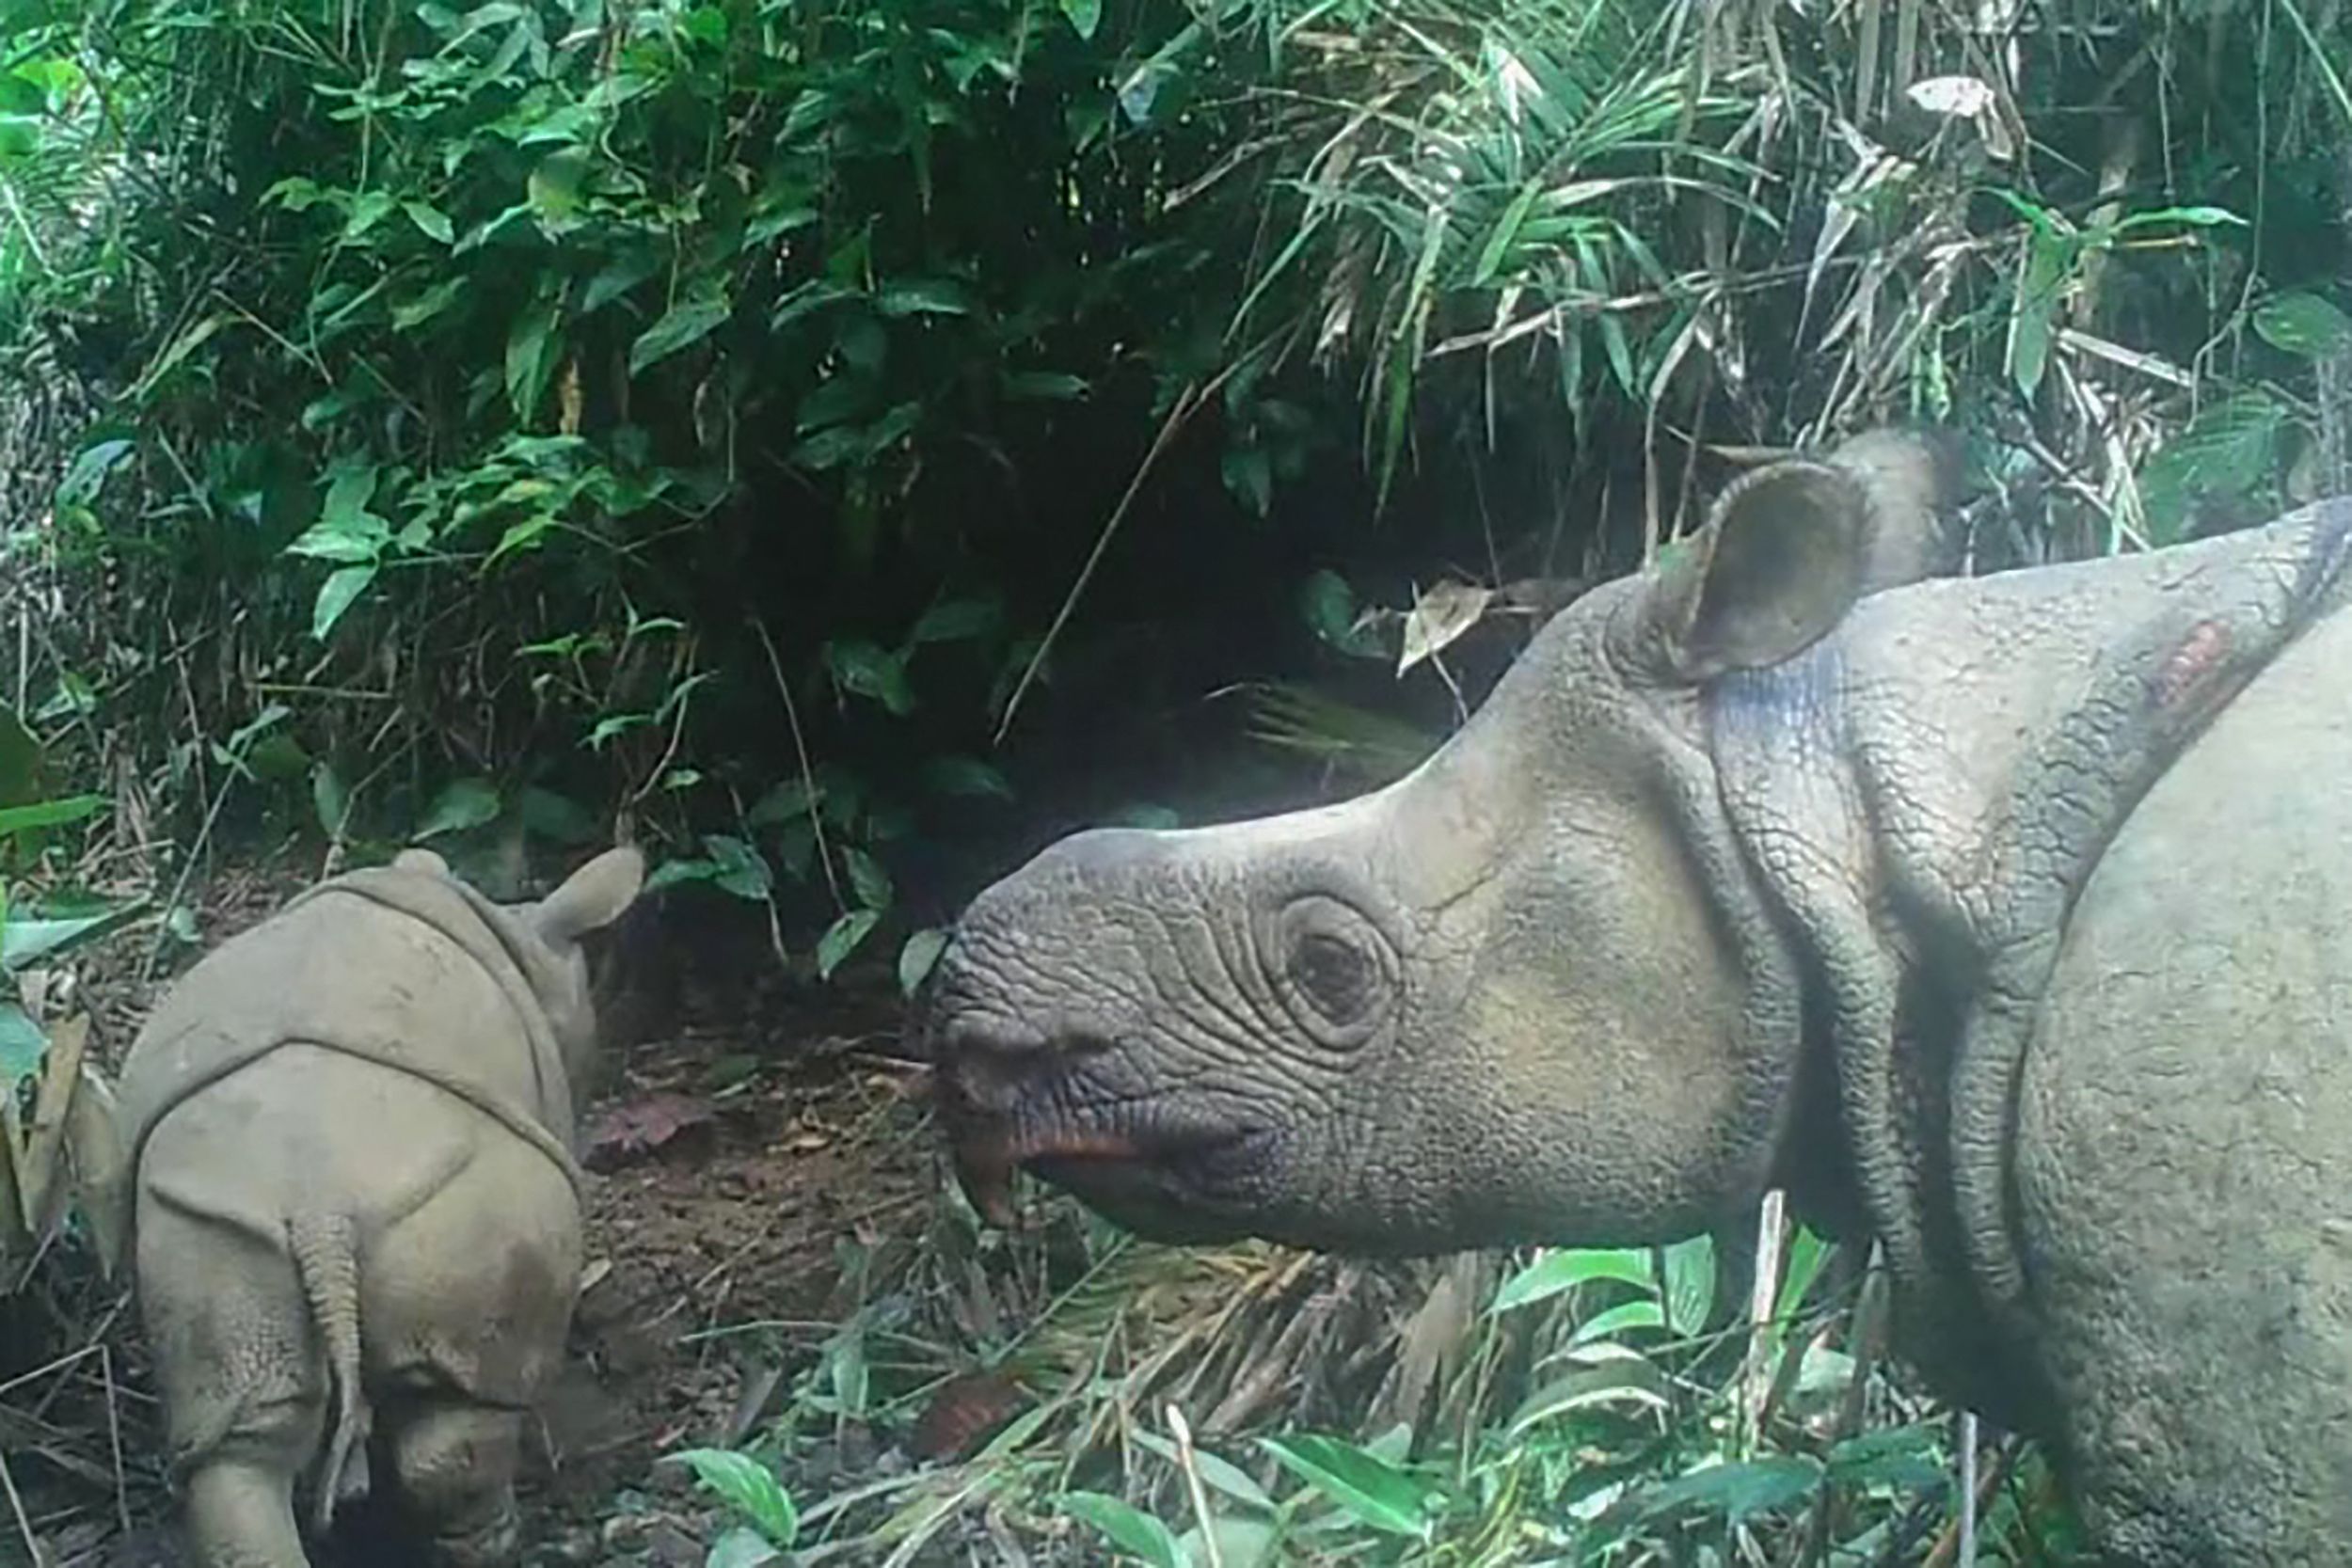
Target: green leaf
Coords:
[[741, 869], [25, 942], [1045, 386], [411, 315], [1613, 1376], [430, 220], [921, 296], [957, 620], [2049, 260], [555, 817], [1084, 16], [1737, 1490], [2304, 325], [530, 357], [786, 799], [463, 804], [1222, 1475], [1372, 1490], [841, 938], [1690, 1293], [1613, 1320], [1906, 1458], [868, 880], [87, 475], [748, 1486], [617, 277], [48, 813], [916, 958], [368, 208], [1566, 1269], [1328, 606], [22, 1047], [522, 534], [2229, 450], [330, 800], [965, 776], [1130, 1530], [1808, 1252], [337, 595], [863, 668], [1249, 475], [740, 1547], [683, 324], [346, 531]]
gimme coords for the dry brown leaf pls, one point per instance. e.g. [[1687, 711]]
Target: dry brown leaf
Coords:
[[1440, 615]]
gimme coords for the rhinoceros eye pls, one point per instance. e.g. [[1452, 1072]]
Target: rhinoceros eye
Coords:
[[1334, 972], [1334, 969]]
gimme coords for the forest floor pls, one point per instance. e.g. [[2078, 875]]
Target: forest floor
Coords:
[[758, 1136]]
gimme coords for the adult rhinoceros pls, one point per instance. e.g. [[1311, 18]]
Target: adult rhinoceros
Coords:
[[2007, 919]]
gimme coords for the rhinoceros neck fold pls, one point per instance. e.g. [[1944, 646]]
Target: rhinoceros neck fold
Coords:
[[1926, 794], [271, 989]]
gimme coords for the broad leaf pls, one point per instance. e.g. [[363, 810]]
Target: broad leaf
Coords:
[[463, 804], [684, 323], [842, 937], [965, 776], [750, 1487], [2305, 325], [867, 878], [1565, 1270], [48, 813], [740, 1547], [1130, 1528], [862, 667], [25, 942], [918, 957], [1370, 1488], [22, 1047], [338, 593], [1736, 1491]]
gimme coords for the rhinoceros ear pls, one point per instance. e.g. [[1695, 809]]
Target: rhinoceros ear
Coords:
[[593, 897], [423, 860], [1776, 567]]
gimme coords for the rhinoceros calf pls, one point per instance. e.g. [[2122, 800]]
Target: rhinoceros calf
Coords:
[[2006, 919], [356, 1206]]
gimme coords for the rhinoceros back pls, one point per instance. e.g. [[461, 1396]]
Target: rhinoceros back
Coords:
[[402, 969]]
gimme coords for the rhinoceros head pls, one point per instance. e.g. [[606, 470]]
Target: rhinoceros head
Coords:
[[1527, 991]]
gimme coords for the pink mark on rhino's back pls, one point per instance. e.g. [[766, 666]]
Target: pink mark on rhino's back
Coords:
[[2186, 674]]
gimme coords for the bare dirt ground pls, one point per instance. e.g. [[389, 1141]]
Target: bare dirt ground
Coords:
[[756, 1134]]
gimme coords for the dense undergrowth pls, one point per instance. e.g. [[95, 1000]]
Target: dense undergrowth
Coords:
[[845, 444]]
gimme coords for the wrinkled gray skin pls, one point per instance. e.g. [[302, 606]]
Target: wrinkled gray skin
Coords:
[[2001, 918], [355, 1206]]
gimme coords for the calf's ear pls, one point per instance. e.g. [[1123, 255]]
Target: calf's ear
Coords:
[[422, 860], [592, 898]]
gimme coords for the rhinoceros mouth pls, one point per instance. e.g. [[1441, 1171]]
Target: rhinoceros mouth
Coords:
[[1156, 1171]]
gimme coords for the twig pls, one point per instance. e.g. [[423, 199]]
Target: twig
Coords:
[[187, 871], [1188, 404], [23, 1526], [114, 1437], [1185, 1463], [800, 749]]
